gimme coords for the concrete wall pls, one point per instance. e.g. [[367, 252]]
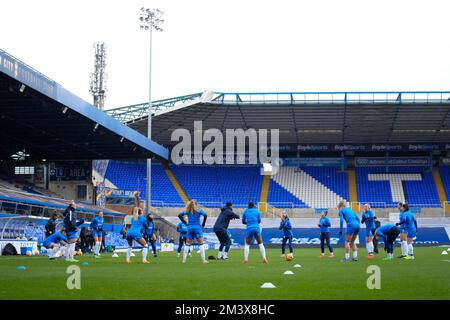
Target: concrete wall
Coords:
[[68, 189]]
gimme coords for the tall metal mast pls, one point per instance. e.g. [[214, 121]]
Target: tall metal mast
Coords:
[[99, 76]]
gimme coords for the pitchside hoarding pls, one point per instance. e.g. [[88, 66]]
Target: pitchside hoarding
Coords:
[[310, 236]]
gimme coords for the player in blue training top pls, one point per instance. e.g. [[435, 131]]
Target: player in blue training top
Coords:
[[97, 232], [286, 227], [182, 230], [138, 221], [325, 225], [194, 228], [252, 218], [54, 243], [71, 224], [149, 234], [368, 219], [388, 233], [409, 224], [403, 233], [349, 216]]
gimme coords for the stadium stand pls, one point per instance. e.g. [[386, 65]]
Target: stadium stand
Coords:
[[131, 176], [414, 185], [308, 187], [214, 185], [445, 176]]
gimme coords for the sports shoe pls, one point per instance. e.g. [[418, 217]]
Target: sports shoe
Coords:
[[265, 260], [401, 257], [96, 256], [205, 261], [370, 256], [178, 254], [282, 256], [322, 255], [245, 261], [128, 261], [387, 259], [354, 259], [345, 260], [332, 255], [145, 261], [408, 258]]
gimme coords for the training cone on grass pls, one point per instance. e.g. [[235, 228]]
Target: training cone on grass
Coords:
[[21, 268], [444, 252], [288, 272], [268, 285], [297, 266], [448, 249], [115, 255], [85, 264]]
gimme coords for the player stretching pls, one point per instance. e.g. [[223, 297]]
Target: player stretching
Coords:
[[403, 233], [368, 219], [352, 231], [388, 233], [286, 226], [252, 218], [410, 225], [54, 243], [149, 234], [325, 225], [182, 230], [138, 222], [194, 228], [97, 232], [71, 225]]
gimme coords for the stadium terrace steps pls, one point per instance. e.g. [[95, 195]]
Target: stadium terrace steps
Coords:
[[353, 194], [440, 187], [264, 189], [305, 187], [176, 184]]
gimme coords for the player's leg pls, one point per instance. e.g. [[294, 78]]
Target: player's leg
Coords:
[[291, 249], [187, 247], [144, 245], [374, 241], [130, 246], [227, 247], [180, 244], [348, 238], [327, 239], [354, 247], [410, 238], [403, 243], [219, 234], [152, 243], [322, 244], [248, 242], [262, 249], [202, 249], [72, 240], [283, 246], [98, 244]]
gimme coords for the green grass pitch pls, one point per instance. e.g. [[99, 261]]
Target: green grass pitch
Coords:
[[427, 277]]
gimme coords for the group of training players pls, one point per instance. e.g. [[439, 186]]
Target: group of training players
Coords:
[[388, 233], [62, 243], [141, 229]]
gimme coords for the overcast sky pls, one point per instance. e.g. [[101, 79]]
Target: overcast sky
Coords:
[[235, 45]]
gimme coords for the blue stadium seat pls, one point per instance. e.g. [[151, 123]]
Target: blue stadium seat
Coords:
[[378, 193], [132, 176]]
